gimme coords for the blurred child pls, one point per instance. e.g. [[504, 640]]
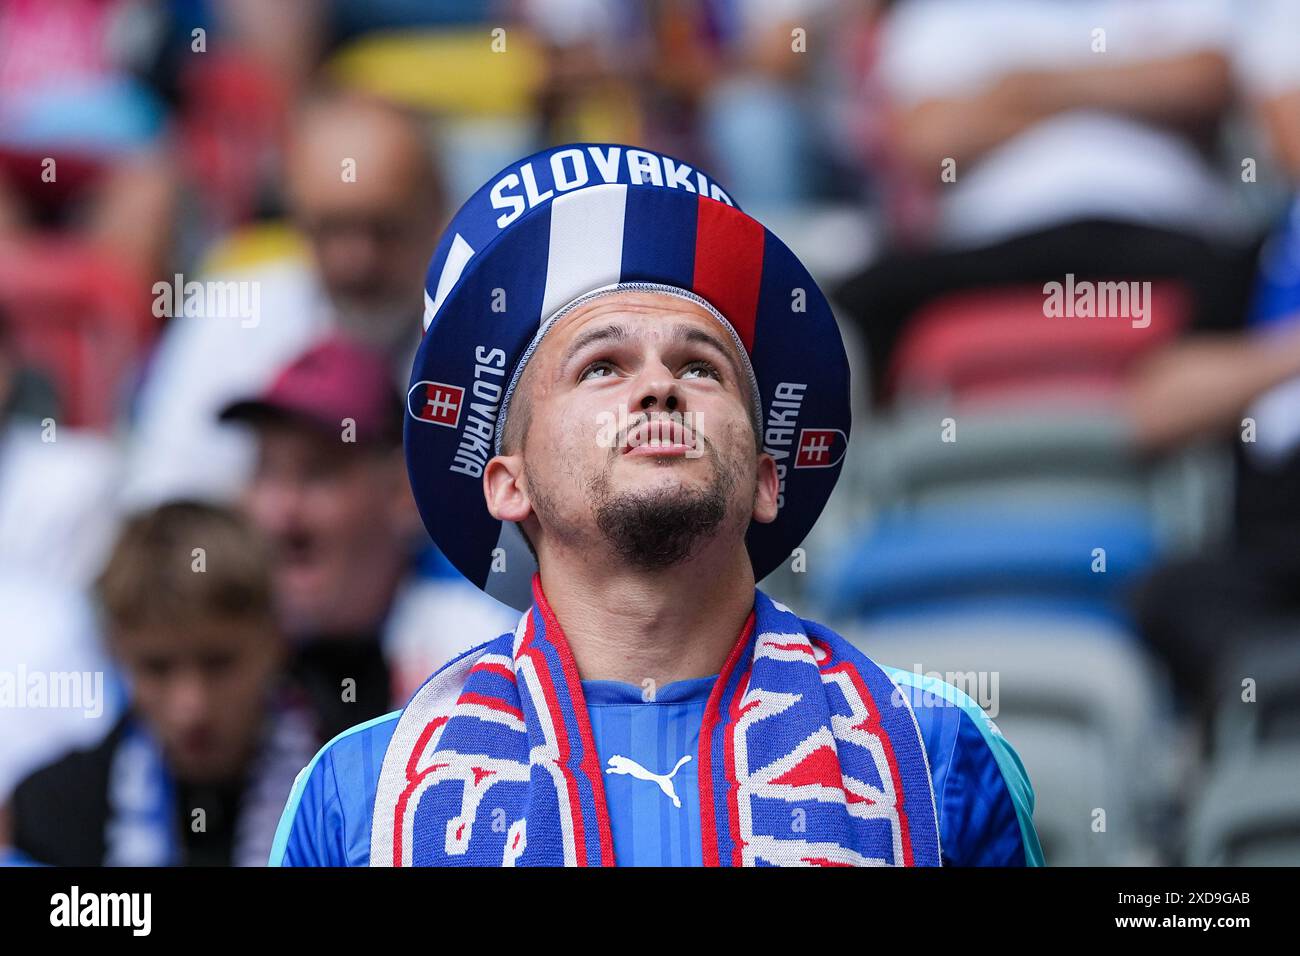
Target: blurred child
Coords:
[[196, 770]]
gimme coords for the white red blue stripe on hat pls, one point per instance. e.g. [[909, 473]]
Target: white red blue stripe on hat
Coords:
[[523, 247]]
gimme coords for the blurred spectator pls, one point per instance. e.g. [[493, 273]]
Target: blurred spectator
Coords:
[[1200, 610], [1058, 138], [364, 189], [331, 493], [1054, 112], [71, 94], [728, 83], [365, 193], [1268, 68], [196, 770], [285, 37]]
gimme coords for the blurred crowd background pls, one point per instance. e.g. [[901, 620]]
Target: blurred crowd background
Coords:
[[1089, 523]]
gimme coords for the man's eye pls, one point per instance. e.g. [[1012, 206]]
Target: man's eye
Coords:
[[707, 367], [599, 364]]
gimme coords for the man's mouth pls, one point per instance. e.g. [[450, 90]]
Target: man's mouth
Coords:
[[298, 552], [659, 436]]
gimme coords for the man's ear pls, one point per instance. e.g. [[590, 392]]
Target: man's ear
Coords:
[[503, 488], [769, 488]]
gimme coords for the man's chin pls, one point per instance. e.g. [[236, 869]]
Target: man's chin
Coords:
[[664, 491], [203, 768], [379, 325], [299, 589], [304, 602], [656, 525]]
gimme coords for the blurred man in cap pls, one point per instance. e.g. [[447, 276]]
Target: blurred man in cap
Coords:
[[329, 490]]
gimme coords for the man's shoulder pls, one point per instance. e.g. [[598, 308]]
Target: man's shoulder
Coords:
[[359, 741], [347, 767], [945, 714], [935, 700], [327, 810], [976, 770], [936, 703]]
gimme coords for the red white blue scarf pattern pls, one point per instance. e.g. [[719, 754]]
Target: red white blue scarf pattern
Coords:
[[809, 756]]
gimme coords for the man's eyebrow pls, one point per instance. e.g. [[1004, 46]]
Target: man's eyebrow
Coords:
[[693, 333], [612, 332]]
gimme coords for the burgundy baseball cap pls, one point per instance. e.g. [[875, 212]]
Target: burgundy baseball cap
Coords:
[[334, 380]]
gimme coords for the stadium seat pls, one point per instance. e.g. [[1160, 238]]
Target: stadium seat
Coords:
[[1247, 811], [253, 245], [1001, 454], [1272, 717], [1047, 454], [1088, 711], [990, 339], [1069, 770], [1014, 553], [451, 72], [79, 318]]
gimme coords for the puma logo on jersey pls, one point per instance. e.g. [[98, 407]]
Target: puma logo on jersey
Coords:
[[627, 765]]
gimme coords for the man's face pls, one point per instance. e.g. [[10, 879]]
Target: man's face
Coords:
[[336, 517], [202, 690], [371, 233], [603, 382]]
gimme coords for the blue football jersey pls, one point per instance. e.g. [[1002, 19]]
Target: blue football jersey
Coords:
[[650, 752]]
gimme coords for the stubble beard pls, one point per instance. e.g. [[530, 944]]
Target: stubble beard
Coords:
[[655, 530]]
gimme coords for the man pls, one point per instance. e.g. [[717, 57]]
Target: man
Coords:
[[193, 771], [666, 395], [364, 191], [329, 492]]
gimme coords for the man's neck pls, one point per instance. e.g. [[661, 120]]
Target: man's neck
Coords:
[[635, 626]]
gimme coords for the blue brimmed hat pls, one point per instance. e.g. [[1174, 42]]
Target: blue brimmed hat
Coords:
[[589, 219]]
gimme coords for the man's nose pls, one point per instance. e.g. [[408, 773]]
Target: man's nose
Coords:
[[350, 259], [658, 390], [274, 503], [187, 700]]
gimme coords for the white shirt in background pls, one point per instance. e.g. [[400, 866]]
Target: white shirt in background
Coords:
[[1077, 164]]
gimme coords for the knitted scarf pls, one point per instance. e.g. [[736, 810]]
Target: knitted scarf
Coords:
[[809, 756]]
